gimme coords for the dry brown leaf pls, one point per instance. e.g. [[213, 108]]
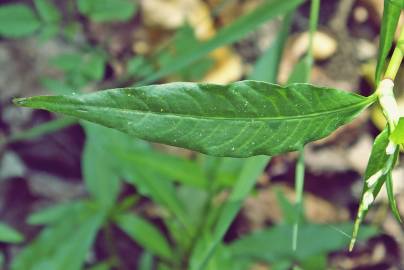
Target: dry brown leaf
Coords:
[[264, 207]]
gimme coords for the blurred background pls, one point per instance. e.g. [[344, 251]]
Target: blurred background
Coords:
[[78, 196]]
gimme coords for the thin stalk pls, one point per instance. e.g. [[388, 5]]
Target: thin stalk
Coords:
[[396, 58], [300, 168], [299, 185]]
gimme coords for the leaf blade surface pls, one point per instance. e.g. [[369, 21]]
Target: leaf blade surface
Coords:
[[242, 119]]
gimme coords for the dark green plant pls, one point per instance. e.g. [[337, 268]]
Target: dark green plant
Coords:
[[245, 122]]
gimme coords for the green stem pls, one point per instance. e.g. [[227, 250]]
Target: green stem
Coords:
[[396, 58], [299, 173], [314, 14], [299, 185]]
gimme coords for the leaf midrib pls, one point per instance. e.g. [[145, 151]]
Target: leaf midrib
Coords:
[[368, 101]]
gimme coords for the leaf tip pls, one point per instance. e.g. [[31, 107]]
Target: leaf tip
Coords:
[[352, 244], [22, 102]]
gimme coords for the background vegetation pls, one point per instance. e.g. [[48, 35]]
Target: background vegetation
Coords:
[[75, 195]]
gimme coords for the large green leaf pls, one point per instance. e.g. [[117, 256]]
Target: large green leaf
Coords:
[[9, 234], [391, 14], [17, 20], [241, 119]]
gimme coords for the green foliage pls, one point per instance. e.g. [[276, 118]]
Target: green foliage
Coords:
[[145, 234], [227, 35], [76, 234], [243, 119], [17, 20], [391, 14], [107, 10], [379, 166], [397, 136], [80, 68], [214, 119], [314, 240], [100, 175], [9, 235], [42, 129], [47, 11], [209, 241]]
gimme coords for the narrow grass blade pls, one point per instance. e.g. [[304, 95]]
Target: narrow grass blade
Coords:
[[42, 129], [392, 200], [391, 14], [227, 35]]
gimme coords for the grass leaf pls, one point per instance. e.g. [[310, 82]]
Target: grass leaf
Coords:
[[227, 35], [241, 119], [390, 195], [391, 14]]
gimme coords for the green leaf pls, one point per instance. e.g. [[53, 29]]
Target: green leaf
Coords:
[[63, 245], [379, 166], [17, 20], [390, 195], [208, 242], [242, 119], [227, 35], [146, 261], [42, 129], [301, 71], [176, 168], [145, 234], [9, 235], [314, 240], [100, 175], [93, 66], [56, 86], [67, 61], [399, 3], [47, 11], [55, 213], [391, 14], [107, 10], [397, 136]]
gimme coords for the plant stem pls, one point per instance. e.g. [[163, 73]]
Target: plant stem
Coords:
[[299, 173], [299, 184], [396, 58]]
